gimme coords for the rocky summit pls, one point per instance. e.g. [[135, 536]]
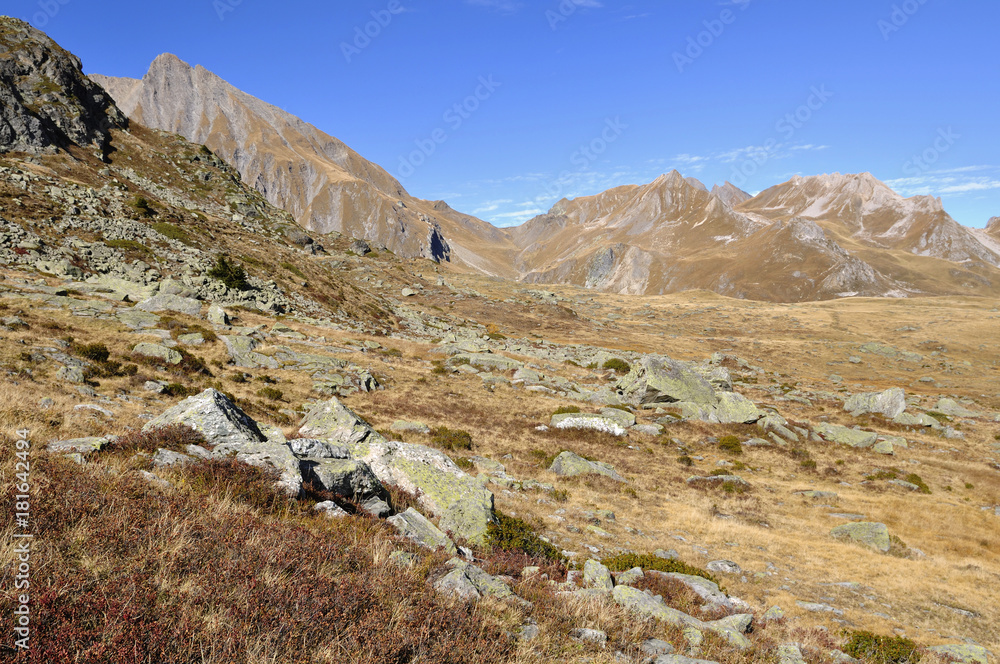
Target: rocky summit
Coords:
[[245, 436]]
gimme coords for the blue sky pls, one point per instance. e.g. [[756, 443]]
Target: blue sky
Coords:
[[502, 107]]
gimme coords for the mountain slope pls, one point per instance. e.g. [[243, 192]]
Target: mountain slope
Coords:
[[324, 184]]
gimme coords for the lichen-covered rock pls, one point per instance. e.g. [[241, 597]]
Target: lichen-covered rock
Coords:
[[648, 606], [214, 416], [346, 478], [332, 420], [596, 575], [731, 408], [462, 505], [840, 434], [164, 302], [82, 446], [414, 526], [317, 449], [890, 403], [588, 421], [487, 361], [168, 355], [964, 653], [658, 380], [954, 409], [873, 535], [242, 353], [568, 464]]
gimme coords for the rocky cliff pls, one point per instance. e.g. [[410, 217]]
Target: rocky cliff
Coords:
[[46, 102]]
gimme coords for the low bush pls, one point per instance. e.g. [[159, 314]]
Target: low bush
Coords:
[[647, 561], [95, 352], [172, 232], [913, 478], [142, 207], [881, 649], [617, 365], [516, 536], [451, 439], [270, 393], [564, 410], [231, 274], [731, 445]]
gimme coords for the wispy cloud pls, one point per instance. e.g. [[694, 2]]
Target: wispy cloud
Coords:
[[952, 181]]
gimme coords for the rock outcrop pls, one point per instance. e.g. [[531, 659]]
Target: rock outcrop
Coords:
[[46, 102]]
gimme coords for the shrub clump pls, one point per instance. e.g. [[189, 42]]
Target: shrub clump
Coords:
[[563, 410], [231, 274], [451, 439], [618, 366], [913, 478], [142, 207], [731, 445], [881, 649], [93, 352], [647, 561], [516, 536], [270, 393]]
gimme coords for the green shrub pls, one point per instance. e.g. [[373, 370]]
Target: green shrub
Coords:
[[808, 464], [177, 390], [647, 561], [232, 275], [913, 478], [129, 245], [270, 393], [516, 536], [618, 366], [172, 232], [451, 439], [565, 410], [238, 378], [685, 460], [731, 445], [881, 649], [142, 207], [461, 462], [94, 352]]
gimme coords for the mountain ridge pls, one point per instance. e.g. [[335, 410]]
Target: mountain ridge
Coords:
[[669, 235]]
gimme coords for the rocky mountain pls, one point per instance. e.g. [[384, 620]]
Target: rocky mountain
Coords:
[[810, 238], [993, 227], [868, 211], [324, 184], [46, 102], [731, 194]]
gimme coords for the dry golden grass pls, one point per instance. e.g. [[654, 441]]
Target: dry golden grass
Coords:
[[656, 508]]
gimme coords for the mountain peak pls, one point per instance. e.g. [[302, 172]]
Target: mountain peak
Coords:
[[993, 226], [730, 194], [46, 101]]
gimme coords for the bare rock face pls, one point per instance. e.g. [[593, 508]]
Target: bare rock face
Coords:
[[993, 227], [46, 102]]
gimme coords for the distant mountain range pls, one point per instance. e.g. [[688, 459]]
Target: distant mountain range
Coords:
[[809, 238]]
